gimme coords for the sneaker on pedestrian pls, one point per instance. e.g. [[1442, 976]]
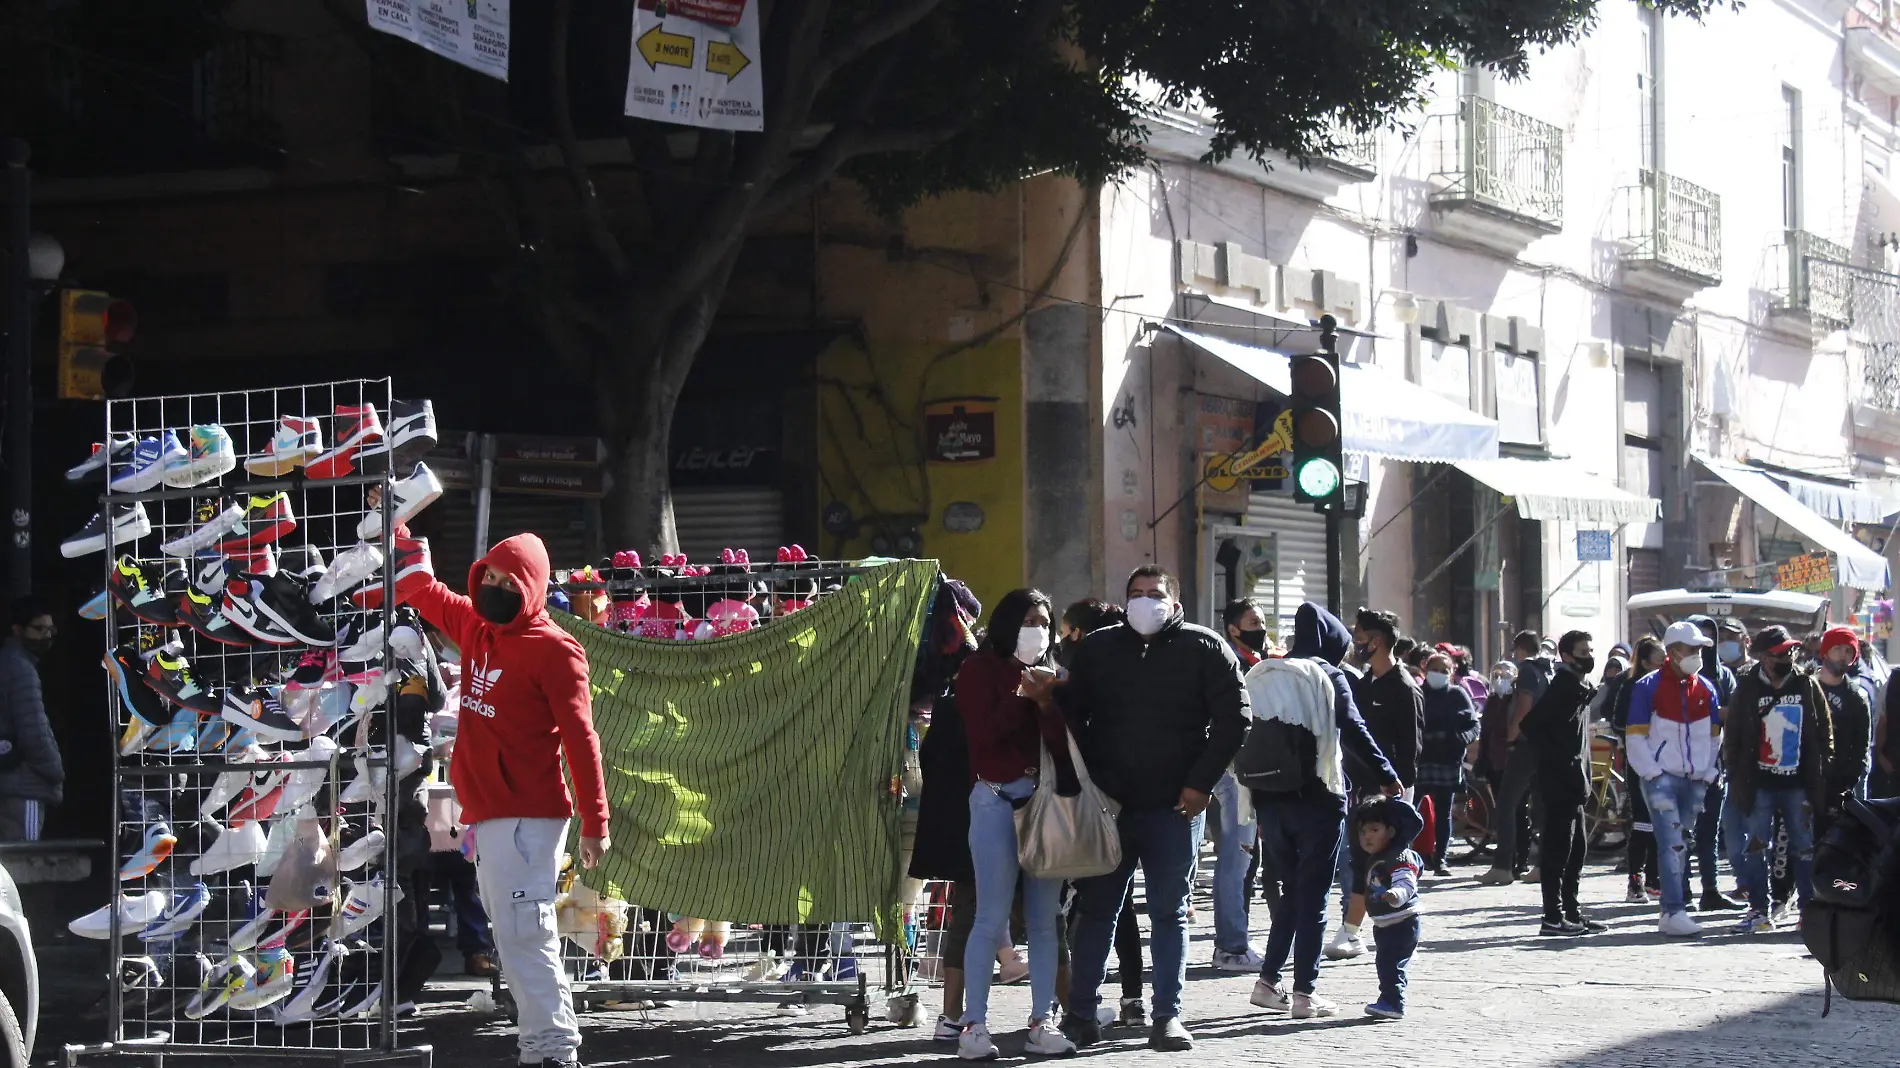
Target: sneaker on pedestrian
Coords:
[[947, 1030], [350, 569], [1759, 923], [1634, 895], [158, 844], [1046, 1040], [1133, 1013], [357, 427], [1535, 875], [407, 497], [1381, 1010], [145, 469], [1589, 924], [1497, 876], [1269, 997], [1170, 1036], [209, 456], [1310, 1006], [1716, 901], [116, 452], [1678, 925], [296, 442], [129, 523], [975, 1044], [1440, 871], [1081, 1030], [1246, 960], [1561, 929], [1345, 946], [482, 966]]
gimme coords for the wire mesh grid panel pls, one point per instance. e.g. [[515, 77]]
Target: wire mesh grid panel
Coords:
[[253, 555]]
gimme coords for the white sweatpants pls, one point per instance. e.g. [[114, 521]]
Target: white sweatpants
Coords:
[[517, 863]]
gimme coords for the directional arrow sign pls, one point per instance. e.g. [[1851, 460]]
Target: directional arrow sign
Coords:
[[725, 58], [660, 48]]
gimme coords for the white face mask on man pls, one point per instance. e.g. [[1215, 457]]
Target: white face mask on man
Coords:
[[1147, 615], [1031, 643]]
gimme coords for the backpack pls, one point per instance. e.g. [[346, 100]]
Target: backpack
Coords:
[[1278, 757], [1853, 924]]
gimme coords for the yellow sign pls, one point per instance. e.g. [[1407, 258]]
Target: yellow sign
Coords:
[[725, 58], [1278, 440], [1807, 573], [659, 48]]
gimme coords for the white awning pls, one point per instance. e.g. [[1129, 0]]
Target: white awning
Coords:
[[1854, 564], [1835, 502], [1562, 490], [1383, 414]]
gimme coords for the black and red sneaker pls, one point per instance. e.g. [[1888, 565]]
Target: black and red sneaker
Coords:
[[171, 675], [265, 519], [410, 435], [145, 595], [202, 613], [357, 427], [410, 568]]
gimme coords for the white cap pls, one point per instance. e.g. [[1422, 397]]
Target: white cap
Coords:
[[1684, 633]]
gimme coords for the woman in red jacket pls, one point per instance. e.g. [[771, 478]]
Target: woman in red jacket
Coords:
[[525, 701], [1006, 732]]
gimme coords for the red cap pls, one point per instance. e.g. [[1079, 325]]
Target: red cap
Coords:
[[1840, 636]]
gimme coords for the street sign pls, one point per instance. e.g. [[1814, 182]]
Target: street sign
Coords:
[[1807, 573], [536, 449], [554, 480], [1594, 546]]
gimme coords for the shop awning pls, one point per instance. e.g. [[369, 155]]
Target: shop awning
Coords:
[[1562, 490], [1383, 414], [1854, 564], [1835, 502]]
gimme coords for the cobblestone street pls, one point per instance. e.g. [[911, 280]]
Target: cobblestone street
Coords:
[[1485, 990]]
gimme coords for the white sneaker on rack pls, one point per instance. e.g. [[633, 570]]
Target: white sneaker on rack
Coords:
[[409, 496], [362, 851], [302, 1006]]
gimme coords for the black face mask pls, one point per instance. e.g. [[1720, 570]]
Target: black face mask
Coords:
[[39, 647], [1254, 639], [1064, 651], [497, 605], [1583, 664]]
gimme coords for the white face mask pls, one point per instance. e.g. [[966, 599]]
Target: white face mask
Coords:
[[1147, 615], [1437, 680], [1689, 663], [1031, 643]]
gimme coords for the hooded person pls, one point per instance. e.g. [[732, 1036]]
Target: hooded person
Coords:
[[1383, 832], [525, 703], [1304, 704]]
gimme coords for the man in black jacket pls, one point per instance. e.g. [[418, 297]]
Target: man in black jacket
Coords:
[[1557, 730], [1387, 696], [1159, 712]]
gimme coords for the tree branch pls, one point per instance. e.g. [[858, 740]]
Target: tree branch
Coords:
[[593, 219], [847, 143], [872, 32]]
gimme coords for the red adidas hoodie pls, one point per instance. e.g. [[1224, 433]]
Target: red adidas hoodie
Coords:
[[525, 700]]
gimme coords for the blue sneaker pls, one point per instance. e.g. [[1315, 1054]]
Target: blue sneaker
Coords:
[[94, 609], [210, 456], [159, 841], [178, 736], [1380, 1010], [151, 460]]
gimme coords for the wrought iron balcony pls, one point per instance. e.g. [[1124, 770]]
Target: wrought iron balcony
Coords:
[[1357, 154], [1673, 225], [1814, 279], [1503, 160]]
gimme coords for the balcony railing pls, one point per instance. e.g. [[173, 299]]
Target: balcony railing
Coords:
[[1489, 155], [1670, 223], [1357, 151], [1814, 278]]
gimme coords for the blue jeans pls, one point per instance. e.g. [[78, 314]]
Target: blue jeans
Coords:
[[1395, 943], [1230, 869], [1792, 803], [993, 851], [1342, 870], [1708, 834], [1301, 839], [1163, 843], [1675, 803]]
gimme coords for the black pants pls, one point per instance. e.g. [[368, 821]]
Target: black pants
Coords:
[[1642, 843], [1561, 857], [1128, 948]]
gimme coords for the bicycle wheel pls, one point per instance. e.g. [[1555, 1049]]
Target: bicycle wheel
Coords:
[[1473, 815]]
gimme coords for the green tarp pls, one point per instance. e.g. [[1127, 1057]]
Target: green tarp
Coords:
[[751, 777]]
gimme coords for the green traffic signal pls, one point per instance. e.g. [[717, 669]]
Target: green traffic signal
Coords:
[[1317, 478]]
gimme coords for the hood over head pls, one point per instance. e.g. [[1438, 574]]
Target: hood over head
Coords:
[[1319, 635], [523, 558], [1394, 812]]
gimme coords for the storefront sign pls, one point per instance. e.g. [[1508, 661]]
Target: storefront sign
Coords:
[[693, 72], [525, 448], [1223, 491], [555, 480], [961, 431], [1807, 573], [1223, 424], [1594, 546], [473, 33]]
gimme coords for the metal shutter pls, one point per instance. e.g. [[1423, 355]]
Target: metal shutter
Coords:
[[711, 518], [1300, 571]]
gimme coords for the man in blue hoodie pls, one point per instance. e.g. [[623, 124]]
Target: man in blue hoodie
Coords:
[[1301, 829]]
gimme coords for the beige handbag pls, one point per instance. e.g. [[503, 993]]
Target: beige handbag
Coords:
[[1067, 837]]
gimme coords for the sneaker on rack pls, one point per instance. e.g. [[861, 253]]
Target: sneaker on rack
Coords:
[[351, 568], [129, 523], [262, 799], [135, 911], [277, 839], [357, 427], [229, 784], [265, 519], [214, 735], [183, 909], [209, 457], [171, 675], [302, 1006], [138, 735], [362, 906], [234, 847], [410, 436], [117, 452], [127, 667], [413, 571], [180, 735], [271, 983], [296, 442], [362, 851], [260, 709], [360, 639], [407, 639], [158, 844], [285, 601], [304, 562], [241, 607], [219, 985], [204, 615], [371, 778], [144, 596], [408, 496], [315, 669], [94, 609], [151, 458], [211, 519]]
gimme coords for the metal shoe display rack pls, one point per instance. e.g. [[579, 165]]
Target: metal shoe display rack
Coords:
[[148, 1018]]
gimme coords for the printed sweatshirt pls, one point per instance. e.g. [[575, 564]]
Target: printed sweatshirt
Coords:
[[525, 700], [1674, 727], [1395, 870]]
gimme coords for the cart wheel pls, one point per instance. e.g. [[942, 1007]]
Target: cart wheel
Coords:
[[857, 1019]]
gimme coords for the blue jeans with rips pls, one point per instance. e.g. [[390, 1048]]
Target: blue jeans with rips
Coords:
[[1792, 804], [1675, 803]]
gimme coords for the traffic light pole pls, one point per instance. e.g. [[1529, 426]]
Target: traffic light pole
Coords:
[[19, 412]]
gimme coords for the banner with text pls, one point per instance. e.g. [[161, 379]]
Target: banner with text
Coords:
[[473, 33], [694, 72]]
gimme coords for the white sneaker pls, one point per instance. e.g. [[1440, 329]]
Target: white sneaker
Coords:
[[1045, 1041], [412, 495], [1345, 946], [349, 570], [305, 783], [1307, 1006], [234, 848], [975, 1044], [362, 851], [302, 1007], [362, 905], [1269, 997], [947, 1030], [135, 911], [1678, 925], [369, 782], [1247, 961]]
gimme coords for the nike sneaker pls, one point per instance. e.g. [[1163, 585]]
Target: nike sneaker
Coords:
[[234, 847], [127, 668], [407, 640], [145, 597], [260, 709], [262, 800], [271, 983], [221, 984], [410, 436], [117, 451], [280, 938], [413, 571], [140, 973], [407, 497], [204, 615], [314, 670], [350, 569], [362, 851], [285, 601], [145, 468], [357, 427], [304, 562], [135, 912], [265, 519], [296, 442], [229, 784], [129, 524], [211, 519], [210, 456], [180, 735], [302, 1006], [186, 904], [159, 841], [240, 606], [214, 735], [95, 607], [171, 675]]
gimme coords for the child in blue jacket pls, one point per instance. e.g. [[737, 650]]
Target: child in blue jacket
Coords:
[[1384, 830]]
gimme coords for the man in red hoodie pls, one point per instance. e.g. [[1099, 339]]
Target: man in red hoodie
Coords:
[[525, 702]]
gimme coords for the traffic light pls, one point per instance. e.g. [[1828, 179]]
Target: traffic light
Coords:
[[1318, 462], [94, 329]]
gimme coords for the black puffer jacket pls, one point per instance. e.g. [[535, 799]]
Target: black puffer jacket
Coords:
[[1155, 716]]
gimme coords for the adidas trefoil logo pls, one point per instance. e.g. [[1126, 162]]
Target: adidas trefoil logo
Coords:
[[480, 680]]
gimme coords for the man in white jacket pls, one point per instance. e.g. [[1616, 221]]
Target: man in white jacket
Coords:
[[1674, 739]]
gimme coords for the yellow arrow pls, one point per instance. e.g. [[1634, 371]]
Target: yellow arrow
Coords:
[[724, 57], [659, 48]]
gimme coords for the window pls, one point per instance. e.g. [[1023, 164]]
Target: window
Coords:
[[1648, 86], [1790, 158], [1519, 413]]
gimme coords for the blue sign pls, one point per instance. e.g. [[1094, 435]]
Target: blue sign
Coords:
[[1594, 546]]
